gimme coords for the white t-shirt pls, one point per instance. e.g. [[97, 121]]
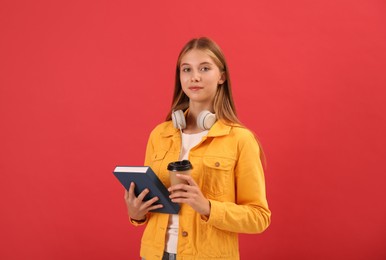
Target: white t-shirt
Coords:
[[188, 142]]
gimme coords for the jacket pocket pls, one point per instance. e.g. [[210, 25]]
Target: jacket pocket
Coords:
[[157, 159], [217, 174]]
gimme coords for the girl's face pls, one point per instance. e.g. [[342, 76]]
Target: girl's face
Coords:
[[200, 77]]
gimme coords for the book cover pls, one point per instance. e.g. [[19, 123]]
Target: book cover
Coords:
[[144, 177]]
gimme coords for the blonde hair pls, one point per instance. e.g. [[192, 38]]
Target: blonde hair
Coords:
[[223, 104]]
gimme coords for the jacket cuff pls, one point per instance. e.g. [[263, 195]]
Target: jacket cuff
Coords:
[[217, 213], [139, 222]]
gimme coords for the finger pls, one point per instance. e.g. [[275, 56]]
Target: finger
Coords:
[[175, 187], [158, 206], [131, 194], [180, 200], [142, 195], [150, 202], [126, 196], [187, 178], [180, 186], [179, 194]]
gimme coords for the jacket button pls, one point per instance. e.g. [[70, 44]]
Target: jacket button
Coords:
[[184, 233], [217, 164]]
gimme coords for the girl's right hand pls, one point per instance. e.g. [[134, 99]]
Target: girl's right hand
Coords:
[[136, 207]]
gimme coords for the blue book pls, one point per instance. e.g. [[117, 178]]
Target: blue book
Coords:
[[144, 177]]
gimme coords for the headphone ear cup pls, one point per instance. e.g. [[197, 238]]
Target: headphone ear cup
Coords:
[[178, 119], [206, 120]]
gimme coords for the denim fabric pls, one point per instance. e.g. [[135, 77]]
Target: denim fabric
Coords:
[[167, 256]]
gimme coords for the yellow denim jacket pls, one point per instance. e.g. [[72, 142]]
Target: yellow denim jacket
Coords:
[[227, 168]]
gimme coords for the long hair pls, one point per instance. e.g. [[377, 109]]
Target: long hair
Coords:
[[223, 104]]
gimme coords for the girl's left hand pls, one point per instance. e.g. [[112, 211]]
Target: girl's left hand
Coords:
[[190, 194]]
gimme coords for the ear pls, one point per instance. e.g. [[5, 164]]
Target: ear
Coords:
[[222, 78]]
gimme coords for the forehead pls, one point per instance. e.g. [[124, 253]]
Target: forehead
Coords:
[[196, 56]]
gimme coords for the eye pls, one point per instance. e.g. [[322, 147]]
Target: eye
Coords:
[[185, 69], [205, 68]]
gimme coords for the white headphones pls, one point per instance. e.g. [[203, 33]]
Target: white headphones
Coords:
[[205, 120]]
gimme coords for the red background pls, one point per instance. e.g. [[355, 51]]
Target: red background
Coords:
[[84, 82]]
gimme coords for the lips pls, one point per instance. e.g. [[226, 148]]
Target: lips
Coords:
[[195, 88]]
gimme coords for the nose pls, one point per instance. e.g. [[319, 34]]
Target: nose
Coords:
[[195, 77]]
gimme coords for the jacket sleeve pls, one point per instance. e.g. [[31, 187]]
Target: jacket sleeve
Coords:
[[149, 149], [250, 213], [148, 154]]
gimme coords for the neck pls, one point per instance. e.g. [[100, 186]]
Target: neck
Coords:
[[191, 118], [191, 124], [196, 108]]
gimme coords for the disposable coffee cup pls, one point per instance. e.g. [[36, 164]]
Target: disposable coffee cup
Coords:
[[180, 167]]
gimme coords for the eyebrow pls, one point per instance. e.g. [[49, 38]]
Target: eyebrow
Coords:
[[202, 63]]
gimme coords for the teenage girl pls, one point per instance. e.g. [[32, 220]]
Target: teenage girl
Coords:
[[225, 193]]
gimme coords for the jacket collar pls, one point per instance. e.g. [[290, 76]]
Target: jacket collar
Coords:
[[218, 129]]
